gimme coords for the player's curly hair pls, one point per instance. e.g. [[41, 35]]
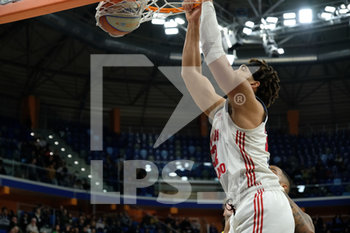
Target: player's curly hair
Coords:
[[269, 82]]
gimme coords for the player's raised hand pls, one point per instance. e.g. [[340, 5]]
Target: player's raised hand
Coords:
[[188, 5], [193, 15]]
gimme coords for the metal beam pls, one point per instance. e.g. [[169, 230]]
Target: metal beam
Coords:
[[260, 7], [273, 7], [288, 38], [253, 8]]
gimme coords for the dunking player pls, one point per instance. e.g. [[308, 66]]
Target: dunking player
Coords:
[[238, 137], [303, 222]]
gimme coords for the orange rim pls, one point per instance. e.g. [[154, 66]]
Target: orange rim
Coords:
[[167, 10]]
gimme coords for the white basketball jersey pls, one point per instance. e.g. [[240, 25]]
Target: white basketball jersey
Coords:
[[240, 156]]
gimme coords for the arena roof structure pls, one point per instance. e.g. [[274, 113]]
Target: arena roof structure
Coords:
[[49, 57]]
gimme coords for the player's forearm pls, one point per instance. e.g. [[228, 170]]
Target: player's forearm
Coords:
[[191, 54], [303, 222], [198, 85]]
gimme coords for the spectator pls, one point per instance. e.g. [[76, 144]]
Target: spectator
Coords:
[[15, 229], [14, 223], [38, 218], [57, 229], [24, 220], [32, 227], [4, 219], [32, 170]]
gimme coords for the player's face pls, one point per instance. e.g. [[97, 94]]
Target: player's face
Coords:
[[227, 213], [245, 72], [276, 170]]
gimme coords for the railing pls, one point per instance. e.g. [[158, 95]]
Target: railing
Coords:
[[42, 174], [66, 179]]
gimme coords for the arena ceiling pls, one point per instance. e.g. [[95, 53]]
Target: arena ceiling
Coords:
[[49, 57]]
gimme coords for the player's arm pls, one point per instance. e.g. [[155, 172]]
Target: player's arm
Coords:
[[200, 88], [303, 222], [230, 81]]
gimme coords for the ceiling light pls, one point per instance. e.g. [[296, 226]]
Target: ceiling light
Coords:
[[56, 143], [247, 31], [51, 153], [76, 162], [83, 169], [89, 176], [158, 21], [180, 21], [289, 22], [171, 31], [330, 9], [69, 156], [104, 190], [184, 178], [305, 16], [170, 24], [290, 15], [50, 137], [343, 11], [326, 16], [273, 20], [63, 149], [97, 183], [249, 24], [32, 134], [349, 7], [280, 51]]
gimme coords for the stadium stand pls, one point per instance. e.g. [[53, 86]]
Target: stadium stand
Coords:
[[319, 161]]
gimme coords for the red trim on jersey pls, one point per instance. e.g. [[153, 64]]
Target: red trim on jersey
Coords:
[[258, 211], [262, 210], [239, 139], [254, 213], [251, 164]]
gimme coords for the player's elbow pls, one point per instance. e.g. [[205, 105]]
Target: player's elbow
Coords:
[[187, 72]]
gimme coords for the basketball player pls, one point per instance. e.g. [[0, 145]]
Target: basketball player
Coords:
[[303, 222], [238, 137]]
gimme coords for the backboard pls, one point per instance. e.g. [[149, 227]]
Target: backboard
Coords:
[[14, 10]]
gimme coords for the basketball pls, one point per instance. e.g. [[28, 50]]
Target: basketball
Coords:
[[119, 22]]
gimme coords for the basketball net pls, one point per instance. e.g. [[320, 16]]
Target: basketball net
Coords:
[[145, 9]]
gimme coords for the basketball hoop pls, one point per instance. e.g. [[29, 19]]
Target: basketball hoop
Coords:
[[111, 14]]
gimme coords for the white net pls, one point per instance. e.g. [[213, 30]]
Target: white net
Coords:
[[146, 9]]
